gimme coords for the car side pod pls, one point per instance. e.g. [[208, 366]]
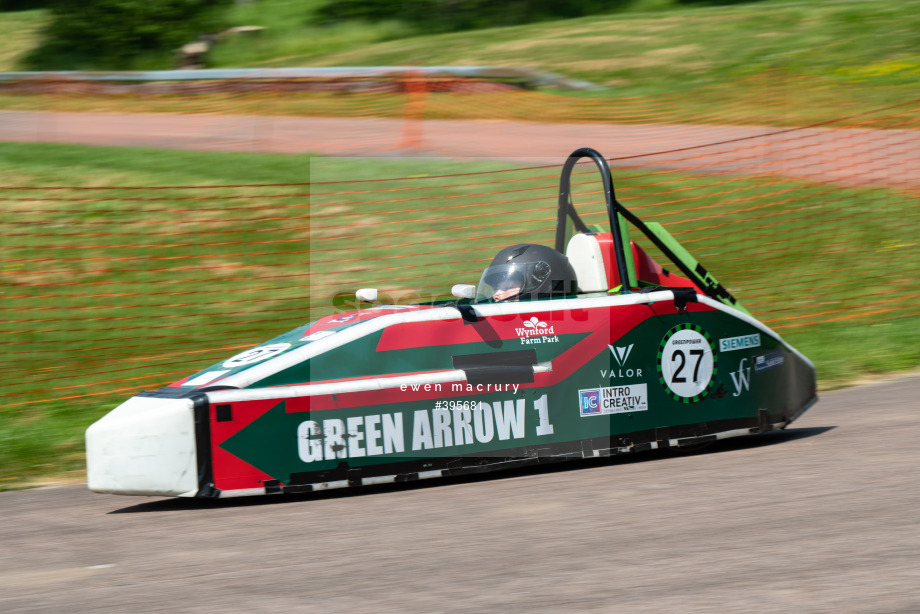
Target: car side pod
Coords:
[[145, 446]]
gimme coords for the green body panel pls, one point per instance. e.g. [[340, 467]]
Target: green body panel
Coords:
[[290, 338], [689, 261], [627, 252], [278, 442]]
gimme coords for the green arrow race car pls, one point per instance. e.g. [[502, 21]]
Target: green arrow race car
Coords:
[[588, 349]]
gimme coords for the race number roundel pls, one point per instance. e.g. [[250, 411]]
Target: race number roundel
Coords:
[[254, 355], [687, 363]]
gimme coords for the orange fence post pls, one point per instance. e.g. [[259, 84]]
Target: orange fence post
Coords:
[[415, 87]]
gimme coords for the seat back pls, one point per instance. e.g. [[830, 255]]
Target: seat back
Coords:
[[591, 255]]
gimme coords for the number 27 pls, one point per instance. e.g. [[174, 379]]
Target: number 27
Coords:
[[677, 378]]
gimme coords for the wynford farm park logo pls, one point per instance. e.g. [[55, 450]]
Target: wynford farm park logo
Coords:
[[533, 328], [536, 331]]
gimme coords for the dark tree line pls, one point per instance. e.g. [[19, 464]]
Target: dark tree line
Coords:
[[120, 34], [114, 33], [450, 15], [24, 5]]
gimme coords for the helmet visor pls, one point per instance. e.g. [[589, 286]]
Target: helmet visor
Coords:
[[510, 281]]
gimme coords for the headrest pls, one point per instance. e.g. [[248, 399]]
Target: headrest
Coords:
[[591, 255]]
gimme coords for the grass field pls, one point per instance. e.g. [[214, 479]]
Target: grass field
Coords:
[[108, 291], [22, 32], [655, 47], [774, 61], [116, 290]]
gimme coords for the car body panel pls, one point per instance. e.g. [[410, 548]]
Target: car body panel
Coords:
[[397, 393]]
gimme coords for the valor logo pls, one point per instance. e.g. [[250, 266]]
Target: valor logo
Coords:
[[621, 355], [536, 331], [741, 378]]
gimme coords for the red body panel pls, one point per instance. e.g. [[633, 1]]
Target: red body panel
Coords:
[[651, 272], [603, 325]]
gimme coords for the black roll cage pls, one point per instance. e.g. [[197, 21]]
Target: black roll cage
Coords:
[[615, 209]]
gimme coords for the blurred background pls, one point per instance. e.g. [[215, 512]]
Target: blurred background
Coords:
[[183, 179]]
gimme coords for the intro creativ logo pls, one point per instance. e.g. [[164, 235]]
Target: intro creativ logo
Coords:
[[624, 399], [589, 401]]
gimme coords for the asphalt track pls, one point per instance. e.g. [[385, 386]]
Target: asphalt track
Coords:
[[822, 517], [842, 156]]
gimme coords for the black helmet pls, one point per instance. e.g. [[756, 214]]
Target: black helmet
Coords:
[[526, 271]]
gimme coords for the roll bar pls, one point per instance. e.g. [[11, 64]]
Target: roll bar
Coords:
[[659, 237], [567, 207]]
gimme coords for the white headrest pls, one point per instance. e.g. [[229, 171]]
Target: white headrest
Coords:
[[584, 253]]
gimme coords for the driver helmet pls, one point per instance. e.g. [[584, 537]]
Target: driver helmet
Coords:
[[526, 271]]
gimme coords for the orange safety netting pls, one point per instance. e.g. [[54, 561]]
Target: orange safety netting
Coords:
[[373, 115], [109, 290]]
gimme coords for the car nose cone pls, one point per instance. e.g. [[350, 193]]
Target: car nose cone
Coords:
[[145, 446]]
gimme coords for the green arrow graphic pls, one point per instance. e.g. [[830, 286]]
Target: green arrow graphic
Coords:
[[269, 443]]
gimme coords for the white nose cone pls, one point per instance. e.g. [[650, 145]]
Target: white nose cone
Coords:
[[145, 446]]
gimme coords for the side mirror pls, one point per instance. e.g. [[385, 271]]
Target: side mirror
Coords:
[[464, 291], [366, 295]]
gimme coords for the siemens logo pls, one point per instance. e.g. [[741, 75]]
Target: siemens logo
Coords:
[[730, 344]]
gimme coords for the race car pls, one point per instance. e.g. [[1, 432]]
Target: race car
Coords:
[[586, 349]]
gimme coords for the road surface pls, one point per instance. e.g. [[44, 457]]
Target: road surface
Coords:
[[822, 517], [842, 156]]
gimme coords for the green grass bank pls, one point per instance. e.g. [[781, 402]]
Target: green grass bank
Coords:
[[109, 291], [806, 61]]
